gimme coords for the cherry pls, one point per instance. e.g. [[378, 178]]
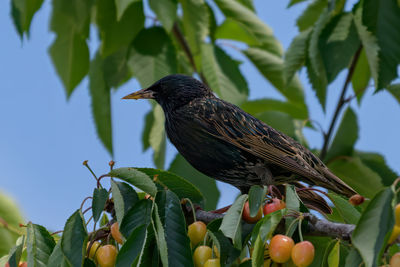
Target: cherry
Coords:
[[395, 260], [116, 234], [303, 254], [280, 248], [201, 255], [93, 249], [275, 205], [196, 232], [212, 263], [106, 256], [246, 214]]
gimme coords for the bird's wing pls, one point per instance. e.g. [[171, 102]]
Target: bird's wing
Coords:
[[231, 124]]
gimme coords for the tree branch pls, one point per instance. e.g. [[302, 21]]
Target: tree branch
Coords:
[[340, 104], [317, 227], [185, 46]]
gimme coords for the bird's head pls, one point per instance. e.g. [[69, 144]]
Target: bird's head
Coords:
[[173, 91]]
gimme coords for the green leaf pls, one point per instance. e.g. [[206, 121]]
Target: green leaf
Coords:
[[115, 68], [195, 25], [227, 253], [248, 3], [370, 44], [181, 187], [378, 215], [212, 23], [101, 103], [266, 226], [148, 124], [357, 175], [205, 184], [73, 239], [122, 5], [319, 83], [293, 203], [347, 212], [104, 220], [256, 199], [71, 17], [233, 30], [39, 245], [149, 255], [377, 163], [11, 213], [165, 11], [152, 56], [295, 56], [157, 138], [353, 258], [223, 74], [346, 136], [337, 55], [160, 236], [100, 196], [361, 75], [138, 214], [381, 18], [321, 244], [124, 198], [154, 135], [22, 12], [258, 106], [178, 243], [257, 259], [231, 223], [15, 253], [342, 28], [294, 2], [70, 56], [135, 178], [315, 58], [254, 25], [116, 33], [311, 14], [271, 67], [334, 255], [57, 258], [132, 248], [394, 89]]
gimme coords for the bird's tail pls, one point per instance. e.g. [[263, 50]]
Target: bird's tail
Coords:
[[334, 183]]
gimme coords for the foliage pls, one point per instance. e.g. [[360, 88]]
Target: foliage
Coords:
[[146, 40]]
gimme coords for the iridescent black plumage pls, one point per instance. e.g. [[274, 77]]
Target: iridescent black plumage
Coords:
[[226, 143]]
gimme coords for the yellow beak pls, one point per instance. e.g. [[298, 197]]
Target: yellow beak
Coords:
[[141, 94]]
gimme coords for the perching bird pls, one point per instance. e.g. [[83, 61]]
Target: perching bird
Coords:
[[228, 144]]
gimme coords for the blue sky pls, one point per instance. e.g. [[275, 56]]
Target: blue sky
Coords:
[[45, 138]]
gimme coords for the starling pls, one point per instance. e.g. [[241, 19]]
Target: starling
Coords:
[[226, 143]]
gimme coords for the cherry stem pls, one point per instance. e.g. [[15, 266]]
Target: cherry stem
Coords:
[[205, 238], [101, 177], [86, 210], [193, 210], [291, 225], [57, 232], [300, 232], [91, 217], [83, 202], [86, 164]]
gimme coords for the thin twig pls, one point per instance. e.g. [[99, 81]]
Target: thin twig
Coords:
[[185, 46], [340, 104]]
